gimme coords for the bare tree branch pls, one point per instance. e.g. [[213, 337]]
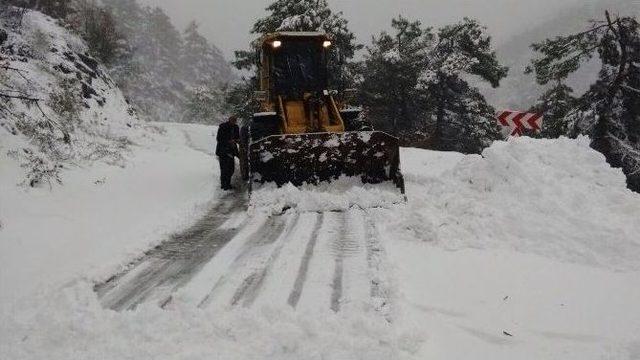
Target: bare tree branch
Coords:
[[36, 102], [621, 36], [19, 97], [20, 72], [629, 88]]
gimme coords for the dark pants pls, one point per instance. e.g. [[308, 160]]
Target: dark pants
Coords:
[[227, 167]]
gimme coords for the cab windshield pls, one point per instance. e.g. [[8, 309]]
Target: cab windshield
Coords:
[[299, 67]]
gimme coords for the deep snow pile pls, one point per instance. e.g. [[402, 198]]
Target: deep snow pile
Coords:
[[556, 198], [528, 252]]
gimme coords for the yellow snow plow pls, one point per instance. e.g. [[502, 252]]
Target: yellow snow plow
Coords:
[[303, 134]]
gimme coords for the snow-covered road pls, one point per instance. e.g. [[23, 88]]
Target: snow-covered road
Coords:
[[529, 252], [170, 265], [315, 261]]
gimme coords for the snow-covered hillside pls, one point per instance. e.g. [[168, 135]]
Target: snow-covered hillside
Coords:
[[63, 110], [70, 160], [528, 252]]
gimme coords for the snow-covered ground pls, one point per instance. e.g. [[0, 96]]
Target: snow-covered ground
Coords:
[[103, 216], [529, 252]]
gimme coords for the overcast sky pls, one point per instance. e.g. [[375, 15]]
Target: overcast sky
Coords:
[[227, 22]]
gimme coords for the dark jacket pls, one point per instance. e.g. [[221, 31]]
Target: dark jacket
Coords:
[[227, 133]]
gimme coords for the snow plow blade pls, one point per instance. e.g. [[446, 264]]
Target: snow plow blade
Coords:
[[372, 156]]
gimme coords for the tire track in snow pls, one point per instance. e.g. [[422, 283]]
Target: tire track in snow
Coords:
[[298, 285], [324, 285], [170, 265], [340, 246], [251, 286], [336, 295], [283, 272], [350, 281], [254, 247], [378, 269]]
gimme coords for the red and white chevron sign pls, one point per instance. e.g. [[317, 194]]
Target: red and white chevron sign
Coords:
[[518, 121]]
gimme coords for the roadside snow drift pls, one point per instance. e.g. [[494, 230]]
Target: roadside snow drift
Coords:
[[555, 198]]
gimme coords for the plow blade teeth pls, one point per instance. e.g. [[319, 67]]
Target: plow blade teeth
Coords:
[[372, 156]]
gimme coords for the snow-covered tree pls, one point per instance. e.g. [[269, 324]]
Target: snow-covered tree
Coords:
[[390, 72], [463, 119], [610, 109], [239, 98], [128, 23], [201, 62], [98, 27], [55, 8], [556, 104], [204, 104], [160, 68], [164, 44]]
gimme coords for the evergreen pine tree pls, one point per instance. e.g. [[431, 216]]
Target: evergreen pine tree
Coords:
[[204, 104], [390, 72], [464, 121], [201, 62], [610, 109], [556, 104]]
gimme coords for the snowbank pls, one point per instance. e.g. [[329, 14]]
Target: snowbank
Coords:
[[556, 198]]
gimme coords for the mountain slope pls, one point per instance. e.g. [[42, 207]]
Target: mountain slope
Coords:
[[61, 109], [161, 68]]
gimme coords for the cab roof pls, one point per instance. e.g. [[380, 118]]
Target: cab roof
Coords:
[[295, 34]]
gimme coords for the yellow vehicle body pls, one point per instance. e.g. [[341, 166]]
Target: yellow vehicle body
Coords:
[[302, 133]]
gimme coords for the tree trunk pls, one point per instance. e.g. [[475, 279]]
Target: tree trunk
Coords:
[[440, 119]]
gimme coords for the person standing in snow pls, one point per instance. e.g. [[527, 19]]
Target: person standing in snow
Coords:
[[227, 149]]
